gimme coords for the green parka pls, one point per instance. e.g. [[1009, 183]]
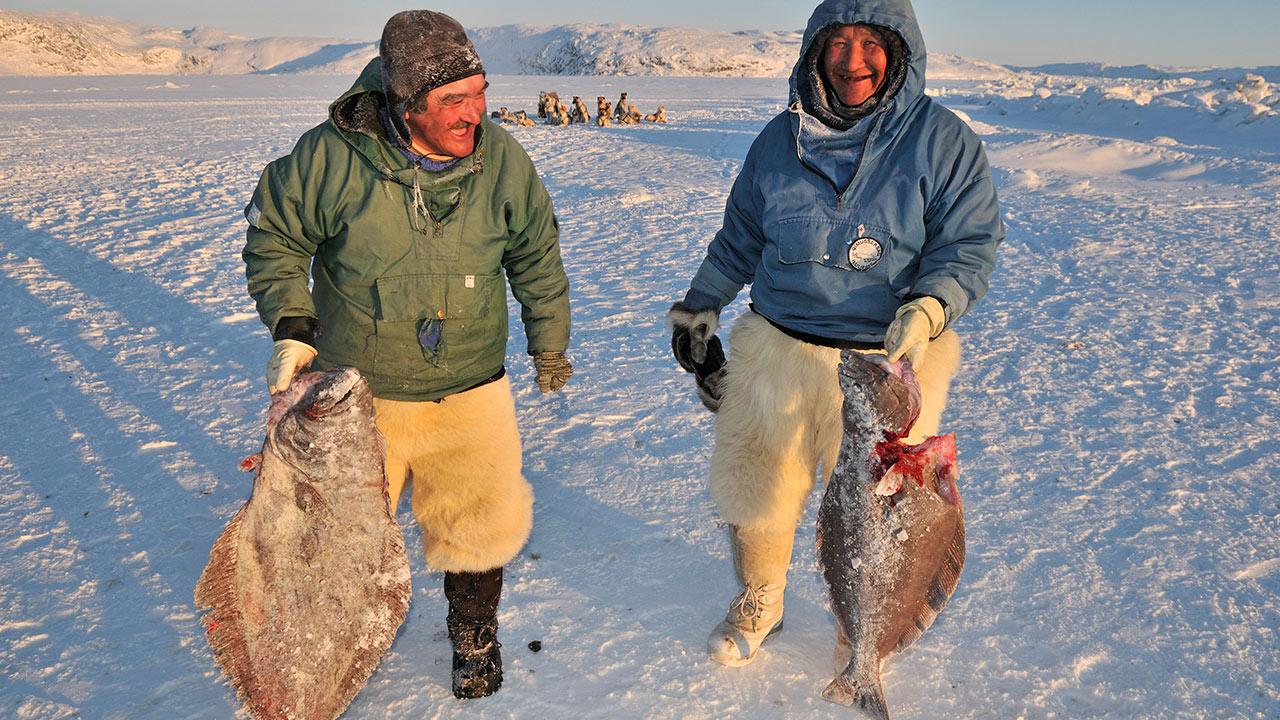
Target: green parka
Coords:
[[396, 247]]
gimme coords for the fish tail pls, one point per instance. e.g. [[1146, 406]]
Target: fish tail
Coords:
[[863, 692]]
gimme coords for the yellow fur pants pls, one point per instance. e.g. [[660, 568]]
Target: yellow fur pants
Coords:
[[462, 458], [779, 421]]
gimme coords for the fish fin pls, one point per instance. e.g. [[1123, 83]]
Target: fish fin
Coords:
[[865, 694], [251, 463], [940, 589], [216, 592]]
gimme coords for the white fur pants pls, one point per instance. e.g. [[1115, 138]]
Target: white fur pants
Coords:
[[462, 457], [779, 421]]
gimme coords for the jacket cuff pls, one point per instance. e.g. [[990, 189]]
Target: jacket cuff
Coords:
[[696, 300], [539, 343], [302, 329], [712, 283], [954, 300]]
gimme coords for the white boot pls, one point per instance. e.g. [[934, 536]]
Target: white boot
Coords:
[[761, 559], [754, 615]]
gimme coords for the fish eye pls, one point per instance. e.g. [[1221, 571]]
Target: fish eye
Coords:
[[323, 405]]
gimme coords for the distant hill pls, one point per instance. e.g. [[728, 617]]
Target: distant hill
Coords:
[[71, 44], [583, 49], [941, 66], [1145, 72]]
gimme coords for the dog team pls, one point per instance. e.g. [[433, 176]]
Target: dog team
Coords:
[[555, 112]]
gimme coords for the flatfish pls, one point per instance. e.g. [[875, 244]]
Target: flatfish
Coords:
[[890, 527], [309, 582]]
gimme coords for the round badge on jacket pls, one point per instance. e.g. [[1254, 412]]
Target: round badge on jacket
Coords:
[[864, 253]]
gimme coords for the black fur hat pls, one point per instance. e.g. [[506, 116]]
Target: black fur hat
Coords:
[[422, 50]]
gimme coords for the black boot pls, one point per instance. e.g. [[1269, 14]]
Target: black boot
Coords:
[[473, 629]]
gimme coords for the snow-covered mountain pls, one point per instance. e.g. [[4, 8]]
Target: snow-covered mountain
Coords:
[[943, 66], [71, 44], [585, 49], [42, 44]]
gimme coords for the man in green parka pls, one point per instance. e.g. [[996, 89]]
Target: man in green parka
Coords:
[[405, 209]]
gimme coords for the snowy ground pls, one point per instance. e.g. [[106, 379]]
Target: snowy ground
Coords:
[[1116, 415]]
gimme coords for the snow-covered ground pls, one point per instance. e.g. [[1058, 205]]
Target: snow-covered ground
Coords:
[[1117, 413]]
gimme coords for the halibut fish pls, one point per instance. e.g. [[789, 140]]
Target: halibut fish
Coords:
[[309, 582], [890, 527]]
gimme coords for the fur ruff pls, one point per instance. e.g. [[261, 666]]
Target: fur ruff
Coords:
[[774, 436], [461, 457], [821, 102], [678, 316]]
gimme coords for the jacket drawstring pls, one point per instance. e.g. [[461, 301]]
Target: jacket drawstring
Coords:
[[420, 209]]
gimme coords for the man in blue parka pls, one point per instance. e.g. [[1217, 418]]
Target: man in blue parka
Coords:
[[864, 218]]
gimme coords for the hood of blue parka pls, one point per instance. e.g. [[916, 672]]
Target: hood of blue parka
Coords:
[[897, 15]]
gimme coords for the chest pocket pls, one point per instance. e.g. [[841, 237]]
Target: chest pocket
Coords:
[[839, 244], [422, 319]]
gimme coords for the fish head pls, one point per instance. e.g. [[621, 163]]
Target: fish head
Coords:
[[889, 390], [322, 421]]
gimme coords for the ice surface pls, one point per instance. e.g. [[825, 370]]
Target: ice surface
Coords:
[[1116, 414]]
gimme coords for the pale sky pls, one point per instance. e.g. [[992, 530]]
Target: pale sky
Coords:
[[1015, 32]]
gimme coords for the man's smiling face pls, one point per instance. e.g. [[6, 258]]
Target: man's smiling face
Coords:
[[447, 127]]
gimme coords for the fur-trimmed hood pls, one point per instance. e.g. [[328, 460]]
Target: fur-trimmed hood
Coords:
[[904, 80], [833, 233]]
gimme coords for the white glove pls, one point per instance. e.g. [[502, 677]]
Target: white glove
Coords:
[[287, 357], [914, 325]]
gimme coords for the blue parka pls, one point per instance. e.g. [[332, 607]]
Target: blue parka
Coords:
[[920, 216]]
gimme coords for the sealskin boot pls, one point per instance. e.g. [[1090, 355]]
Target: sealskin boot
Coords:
[[761, 559], [473, 630]]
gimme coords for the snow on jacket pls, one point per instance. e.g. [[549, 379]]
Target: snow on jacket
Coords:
[[386, 266], [919, 217]]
